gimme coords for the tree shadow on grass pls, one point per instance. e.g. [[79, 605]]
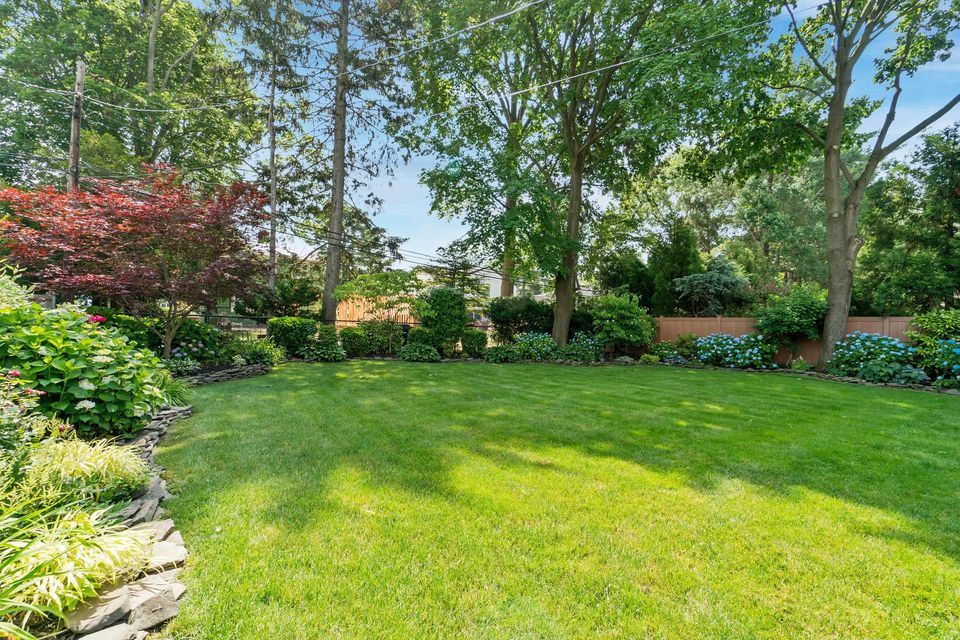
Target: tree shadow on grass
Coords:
[[406, 426]]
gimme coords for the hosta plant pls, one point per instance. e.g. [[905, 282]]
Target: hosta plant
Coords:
[[415, 352]]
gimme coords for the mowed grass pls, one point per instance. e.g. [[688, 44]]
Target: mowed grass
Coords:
[[396, 500]]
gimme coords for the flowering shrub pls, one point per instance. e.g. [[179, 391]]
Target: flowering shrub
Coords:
[[946, 363], [857, 349], [749, 351], [91, 375], [934, 328], [535, 346], [582, 348], [416, 352]]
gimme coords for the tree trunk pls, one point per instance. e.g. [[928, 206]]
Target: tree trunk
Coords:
[[565, 284], [272, 143], [168, 335], [509, 255], [336, 238]]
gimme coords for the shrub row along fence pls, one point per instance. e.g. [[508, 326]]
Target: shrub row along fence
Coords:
[[668, 328]]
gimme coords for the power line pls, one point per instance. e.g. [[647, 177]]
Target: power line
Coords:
[[449, 36]]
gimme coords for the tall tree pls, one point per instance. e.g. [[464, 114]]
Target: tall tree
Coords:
[[621, 81], [480, 125], [162, 87], [809, 93]]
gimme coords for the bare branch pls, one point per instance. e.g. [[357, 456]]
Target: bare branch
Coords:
[[920, 126]]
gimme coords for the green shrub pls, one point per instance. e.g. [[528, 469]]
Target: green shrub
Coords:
[[583, 348], [786, 319], [934, 328], [581, 321], [618, 321], [474, 343], [254, 350], [291, 333], [443, 310], [355, 342], [521, 314], [686, 346], [799, 364], [420, 335], [501, 353], [93, 376], [92, 471], [535, 346], [415, 352], [649, 358], [325, 346], [385, 336], [749, 351]]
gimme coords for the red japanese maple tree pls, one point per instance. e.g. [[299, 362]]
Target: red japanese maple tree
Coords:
[[155, 246]]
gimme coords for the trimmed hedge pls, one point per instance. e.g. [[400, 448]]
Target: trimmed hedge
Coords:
[[291, 333]]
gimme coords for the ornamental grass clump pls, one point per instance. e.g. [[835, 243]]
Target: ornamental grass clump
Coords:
[[748, 351], [871, 356], [97, 472]]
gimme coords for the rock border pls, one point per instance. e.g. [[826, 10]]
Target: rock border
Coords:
[[236, 373], [130, 611]]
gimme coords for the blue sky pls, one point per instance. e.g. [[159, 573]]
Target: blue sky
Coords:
[[406, 203]]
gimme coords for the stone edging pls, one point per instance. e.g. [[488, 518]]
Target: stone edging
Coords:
[[129, 611], [236, 373]]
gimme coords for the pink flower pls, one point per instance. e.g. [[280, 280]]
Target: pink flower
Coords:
[[96, 318], [14, 373]]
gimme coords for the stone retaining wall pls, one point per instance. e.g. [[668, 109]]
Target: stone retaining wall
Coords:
[[129, 611], [223, 375]]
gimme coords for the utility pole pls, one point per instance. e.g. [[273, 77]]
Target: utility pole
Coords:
[[335, 236], [73, 175]]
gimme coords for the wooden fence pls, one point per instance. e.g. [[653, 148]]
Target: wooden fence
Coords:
[[668, 328]]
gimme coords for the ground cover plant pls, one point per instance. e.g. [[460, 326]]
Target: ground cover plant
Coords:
[[401, 500]]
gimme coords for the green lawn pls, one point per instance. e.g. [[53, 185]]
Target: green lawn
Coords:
[[395, 500]]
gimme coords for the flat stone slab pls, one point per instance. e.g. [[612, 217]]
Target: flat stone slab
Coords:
[[121, 631], [110, 607], [167, 555], [159, 528], [176, 538], [154, 611]]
